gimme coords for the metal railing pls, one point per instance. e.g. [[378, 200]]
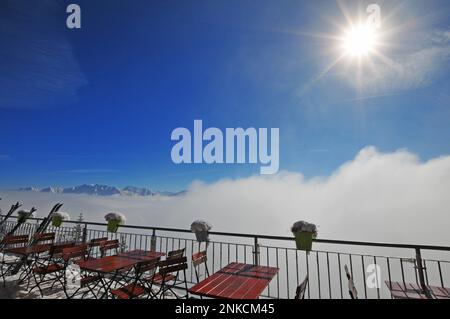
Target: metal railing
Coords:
[[370, 263]]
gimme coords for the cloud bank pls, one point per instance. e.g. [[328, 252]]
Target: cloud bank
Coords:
[[386, 197]]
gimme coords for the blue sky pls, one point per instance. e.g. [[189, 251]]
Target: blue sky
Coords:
[[98, 105]]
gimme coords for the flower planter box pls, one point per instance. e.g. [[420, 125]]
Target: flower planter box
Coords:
[[113, 226], [202, 236], [304, 240], [57, 221]]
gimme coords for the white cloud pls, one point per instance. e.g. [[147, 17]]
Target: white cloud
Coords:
[[387, 197]]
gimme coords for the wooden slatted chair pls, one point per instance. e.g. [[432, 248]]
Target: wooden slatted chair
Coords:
[[168, 276], [351, 285], [138, 287], [301, 289], [49, 268], [77, 253], [176, 253], [8, 261], [109, 245], [94, 246], [199, 259]]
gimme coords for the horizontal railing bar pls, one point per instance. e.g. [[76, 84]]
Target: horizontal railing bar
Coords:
[[286, 238]]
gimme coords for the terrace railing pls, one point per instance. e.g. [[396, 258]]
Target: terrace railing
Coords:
[[370, 263]]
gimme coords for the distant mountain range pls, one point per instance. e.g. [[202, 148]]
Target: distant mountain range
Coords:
[[100, 190]]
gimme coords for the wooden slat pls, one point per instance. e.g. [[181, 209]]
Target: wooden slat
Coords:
[[236, 281]]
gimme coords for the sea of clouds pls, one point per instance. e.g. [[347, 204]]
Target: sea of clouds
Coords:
[[384, 197]]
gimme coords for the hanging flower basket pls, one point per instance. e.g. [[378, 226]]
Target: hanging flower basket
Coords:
[[24, 215], [114, 221], [58, 218], [304, 234], [201, 230]]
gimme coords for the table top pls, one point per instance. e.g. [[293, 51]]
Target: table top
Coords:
[[107, 264], [236, 281], [142, 254], [413, 291], [28, 250]]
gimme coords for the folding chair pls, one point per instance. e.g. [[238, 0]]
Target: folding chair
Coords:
[[197, 260], [76, 253], [7, 264], [301, 289], [49, 266], [351, 285], [138, 287], [108, 245], [176, 253], [93, 245], [168, 275]]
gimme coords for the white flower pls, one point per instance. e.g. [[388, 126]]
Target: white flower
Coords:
[[62, 215], [302, 226], [200, 225], [116, 217]]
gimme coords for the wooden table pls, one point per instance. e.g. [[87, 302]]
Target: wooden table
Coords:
[[236, 281], [142, 254], [110, 265], [401, 290]]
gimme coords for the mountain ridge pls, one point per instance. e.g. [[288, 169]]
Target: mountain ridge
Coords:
[[101, 190]]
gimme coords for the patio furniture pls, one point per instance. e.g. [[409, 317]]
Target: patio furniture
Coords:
[[400, 290], [6, 264], [93, 246], [109, 245], [71, 255], [197, 260], [176, 253], [109, 268], [236, 281], [49, 268], [351, 285], [142, 254], [168, 276], [301, 289], [138, 287]]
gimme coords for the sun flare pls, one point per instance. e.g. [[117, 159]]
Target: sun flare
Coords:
[[359, 40]]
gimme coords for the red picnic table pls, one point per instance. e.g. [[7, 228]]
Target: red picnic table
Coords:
[[401, 290], [236, 281]]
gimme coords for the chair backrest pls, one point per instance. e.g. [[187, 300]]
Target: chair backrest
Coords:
[[198, 259], [175, 253], [12, 240], [95, 242], [172, 265], [351, 285], [105, 246], [147, 266], [301, 289], [44, 237], [75, 252], [57, 250]]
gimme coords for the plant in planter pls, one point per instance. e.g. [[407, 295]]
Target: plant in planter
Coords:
[[58, 218], [304, 234], [201, 230], [24, 215], [114, 221]]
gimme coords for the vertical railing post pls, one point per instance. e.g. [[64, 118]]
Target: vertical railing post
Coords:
[[256, 252], [84, 233], [420, 271], [153, 241]]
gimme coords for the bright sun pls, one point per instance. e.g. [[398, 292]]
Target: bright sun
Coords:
[[360, 40]]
